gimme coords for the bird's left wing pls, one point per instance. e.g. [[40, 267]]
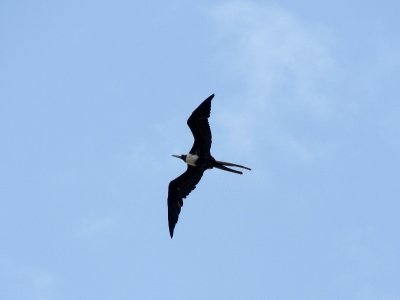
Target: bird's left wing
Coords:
[[178, 189], [198, 124]]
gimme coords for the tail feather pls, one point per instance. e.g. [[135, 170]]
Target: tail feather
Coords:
[[232, 165], [222, 167]]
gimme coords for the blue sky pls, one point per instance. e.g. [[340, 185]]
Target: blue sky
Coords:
[[94, 97]]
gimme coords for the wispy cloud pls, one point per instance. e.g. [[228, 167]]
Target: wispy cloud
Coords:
[[94, 226], [283, 68], [365, 264], [387, 67], [29, 281]]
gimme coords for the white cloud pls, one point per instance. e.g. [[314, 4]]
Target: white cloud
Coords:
[[96, 226], [281, 66], [32, 281], [387, 68]]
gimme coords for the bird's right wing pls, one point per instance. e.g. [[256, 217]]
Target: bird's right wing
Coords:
[[178, 189], [198, 124]]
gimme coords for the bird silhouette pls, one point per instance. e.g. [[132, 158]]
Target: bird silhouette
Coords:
[[198, 160]]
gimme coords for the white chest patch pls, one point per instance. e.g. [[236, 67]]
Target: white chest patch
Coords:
[[191, 159]]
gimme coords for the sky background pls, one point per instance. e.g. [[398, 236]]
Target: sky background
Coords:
[[94, 98]]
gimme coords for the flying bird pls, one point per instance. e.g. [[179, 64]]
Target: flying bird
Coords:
[[198, 160]]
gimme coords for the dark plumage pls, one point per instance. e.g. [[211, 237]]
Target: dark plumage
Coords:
[[199, 159]]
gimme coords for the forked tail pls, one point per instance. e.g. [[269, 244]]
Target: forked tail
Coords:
[[223, 166]]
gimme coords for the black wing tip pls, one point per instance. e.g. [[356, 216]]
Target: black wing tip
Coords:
[[171, 231], [171, 225]]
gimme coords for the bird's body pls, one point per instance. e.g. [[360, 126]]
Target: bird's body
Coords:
[[198, 160], [191, 159]]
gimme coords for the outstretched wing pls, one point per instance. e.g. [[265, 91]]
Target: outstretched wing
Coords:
[[198, 124], [178, 189]]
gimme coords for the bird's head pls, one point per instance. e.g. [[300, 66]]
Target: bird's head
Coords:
[[183, 157]]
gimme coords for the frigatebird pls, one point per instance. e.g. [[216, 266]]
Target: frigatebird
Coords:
[[198, 160]]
